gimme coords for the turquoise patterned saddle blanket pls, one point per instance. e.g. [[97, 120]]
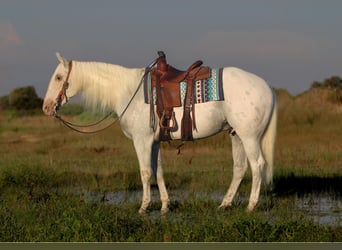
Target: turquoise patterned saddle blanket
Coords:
[[206, 90]]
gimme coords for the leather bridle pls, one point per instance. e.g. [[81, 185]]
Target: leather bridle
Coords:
[[62, 94]]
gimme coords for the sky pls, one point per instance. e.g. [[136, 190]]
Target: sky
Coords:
[[288, 43]]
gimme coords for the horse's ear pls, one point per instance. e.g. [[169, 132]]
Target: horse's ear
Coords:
[[61, 59]]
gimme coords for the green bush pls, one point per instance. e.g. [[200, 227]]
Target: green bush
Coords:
[[4, 102], [334, 82], [24, 98]]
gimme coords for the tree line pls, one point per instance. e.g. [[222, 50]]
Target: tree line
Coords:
[[333, 83]]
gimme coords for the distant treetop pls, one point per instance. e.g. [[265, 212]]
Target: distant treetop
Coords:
[[334, 82]]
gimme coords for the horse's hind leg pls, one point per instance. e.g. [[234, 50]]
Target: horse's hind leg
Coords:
[[239, 170], [254, 153], [158, 171]]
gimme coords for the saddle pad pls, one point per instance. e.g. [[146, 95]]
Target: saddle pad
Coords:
[[205, 90]]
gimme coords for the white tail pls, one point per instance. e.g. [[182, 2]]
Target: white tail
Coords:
[[268, 143]]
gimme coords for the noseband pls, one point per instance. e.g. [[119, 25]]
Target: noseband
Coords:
[[62, 93]]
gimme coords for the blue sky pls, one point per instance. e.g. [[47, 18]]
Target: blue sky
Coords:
[[288, 43]]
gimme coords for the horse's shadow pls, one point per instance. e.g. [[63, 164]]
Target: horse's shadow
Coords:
[[301, 185]]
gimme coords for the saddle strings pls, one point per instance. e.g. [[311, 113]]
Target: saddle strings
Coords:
[[76, 127]]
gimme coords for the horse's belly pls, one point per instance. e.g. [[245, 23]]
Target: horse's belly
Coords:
[[209, 120]]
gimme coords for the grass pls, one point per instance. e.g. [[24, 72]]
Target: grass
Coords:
[[63, 217], [45, 170]]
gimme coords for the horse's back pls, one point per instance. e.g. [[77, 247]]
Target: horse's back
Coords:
[[236, 81]]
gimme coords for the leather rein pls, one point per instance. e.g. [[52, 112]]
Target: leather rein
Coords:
[[75, 127]]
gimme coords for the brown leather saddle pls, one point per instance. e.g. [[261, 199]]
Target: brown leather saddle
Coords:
[[166, 79]]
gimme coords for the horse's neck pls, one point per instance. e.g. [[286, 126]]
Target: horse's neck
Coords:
[[105, 85]]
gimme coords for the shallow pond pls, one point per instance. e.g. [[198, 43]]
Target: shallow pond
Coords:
[[322, 208]]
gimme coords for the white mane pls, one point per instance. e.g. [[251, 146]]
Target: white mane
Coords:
[[103, 85]]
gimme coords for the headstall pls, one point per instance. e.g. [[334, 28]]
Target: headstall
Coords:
[[62, 93]]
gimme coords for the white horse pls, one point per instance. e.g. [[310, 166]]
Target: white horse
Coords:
[[249, 107]]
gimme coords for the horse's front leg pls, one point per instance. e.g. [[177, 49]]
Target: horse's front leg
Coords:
[[149, 158], [158, 171], [143, 148]]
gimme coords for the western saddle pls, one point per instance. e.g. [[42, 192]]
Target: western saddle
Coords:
[[166, 80]]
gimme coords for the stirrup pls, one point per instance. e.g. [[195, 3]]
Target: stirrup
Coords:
[[173, 119]]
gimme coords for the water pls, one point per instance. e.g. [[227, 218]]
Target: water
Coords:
[[322, 208]]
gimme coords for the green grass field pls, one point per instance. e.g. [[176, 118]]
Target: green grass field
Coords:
[[47, 172]]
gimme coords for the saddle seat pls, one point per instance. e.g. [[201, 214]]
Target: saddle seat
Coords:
[[173, 75], [169, 74], [166, 80]]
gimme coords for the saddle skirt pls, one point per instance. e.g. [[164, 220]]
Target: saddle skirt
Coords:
[[205, 90]]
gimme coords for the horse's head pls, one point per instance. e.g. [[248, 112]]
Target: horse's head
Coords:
[[60, 87]]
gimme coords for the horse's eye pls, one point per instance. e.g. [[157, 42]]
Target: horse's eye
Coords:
[[58, 77]]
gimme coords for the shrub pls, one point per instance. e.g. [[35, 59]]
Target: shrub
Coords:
[[4, 102], [24, 98], [333, 82]]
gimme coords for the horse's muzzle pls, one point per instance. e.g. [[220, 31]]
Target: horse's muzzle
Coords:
[[49, 107]]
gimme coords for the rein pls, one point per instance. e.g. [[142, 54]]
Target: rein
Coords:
[[76, 127]]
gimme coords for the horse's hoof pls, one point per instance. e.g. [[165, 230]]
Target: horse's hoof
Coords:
[[164, 211], [224, 207], [250, 208], [142, 211]]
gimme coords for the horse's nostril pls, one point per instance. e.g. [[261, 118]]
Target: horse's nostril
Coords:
[[48, 107]]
